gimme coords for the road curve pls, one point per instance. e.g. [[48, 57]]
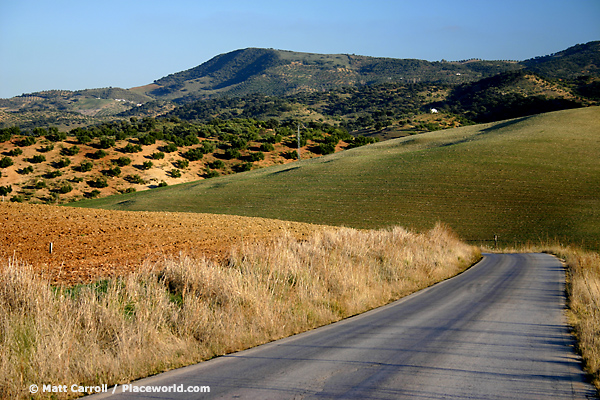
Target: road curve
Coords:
[[497, 331]]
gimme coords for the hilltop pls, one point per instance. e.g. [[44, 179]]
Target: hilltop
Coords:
[[282, 73], [291, 78]]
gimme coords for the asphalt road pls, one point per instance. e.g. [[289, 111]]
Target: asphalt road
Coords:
[[497, 331]]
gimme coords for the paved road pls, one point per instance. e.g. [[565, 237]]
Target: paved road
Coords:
[[497, 331]]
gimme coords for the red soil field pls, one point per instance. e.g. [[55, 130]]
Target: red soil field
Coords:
[[90, 244]]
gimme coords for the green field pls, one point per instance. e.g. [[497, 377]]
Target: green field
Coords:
[[528, 179]]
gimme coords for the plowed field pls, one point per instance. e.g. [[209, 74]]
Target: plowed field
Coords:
[[88, 244]]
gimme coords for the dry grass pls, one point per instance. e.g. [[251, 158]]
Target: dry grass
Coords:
[[583, 292], [182, 310]]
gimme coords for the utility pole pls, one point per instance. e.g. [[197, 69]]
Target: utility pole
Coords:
[[298, 136]]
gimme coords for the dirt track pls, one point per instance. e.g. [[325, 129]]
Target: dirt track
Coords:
[[89, 244]]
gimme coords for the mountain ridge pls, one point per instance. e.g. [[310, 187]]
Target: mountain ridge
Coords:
[[284, 73]]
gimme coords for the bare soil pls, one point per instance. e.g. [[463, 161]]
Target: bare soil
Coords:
[[90, 244]]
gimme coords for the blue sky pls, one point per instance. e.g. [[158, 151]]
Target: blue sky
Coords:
[[81, 44]]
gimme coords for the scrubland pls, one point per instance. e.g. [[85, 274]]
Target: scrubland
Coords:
[[181, 310]]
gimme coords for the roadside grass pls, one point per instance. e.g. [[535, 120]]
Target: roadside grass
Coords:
[[179, 311], [526, 179], [583, 293]]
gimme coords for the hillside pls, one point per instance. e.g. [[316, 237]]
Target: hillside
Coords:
[[526, 179], [281, 73], [293, 77], [509, 95], [120, 157], [578, 60]]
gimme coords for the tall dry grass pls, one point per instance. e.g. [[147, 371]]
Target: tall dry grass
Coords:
[[180, 311], [583, 294]]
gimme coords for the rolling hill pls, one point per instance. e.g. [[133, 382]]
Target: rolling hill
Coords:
[[281, 73], [291, 76], [527, 179]]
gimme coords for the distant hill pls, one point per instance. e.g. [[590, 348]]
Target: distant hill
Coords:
[[509, 95], [351, 89], [282, 73], [576, 61]]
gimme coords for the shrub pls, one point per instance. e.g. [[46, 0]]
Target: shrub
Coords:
[[15, 152], [26, 170], [84, 139], [159, 155], [5, 190], [134, 179], [175, 173], [92, 194], [232, 153], [147, 165], [85, 166], [97, 155], [65, 162], [194, 154], [162, 184], [52, 174], [115, 171], [40, 185], [45, 149], [6, 162], [273, 139], [169, 148], [258, 156], [181, 164], [70, 151], [243, 167], [7, 133], [26, 141], [210, 173], [106, 142], [147, 140], [290, 155], [208, 147], [217, 164], [326, 148], [17, 199], [239, 143], [132, 148], [56, 136], [38, 158], [361, 141], [99, 182], [267, 147], [65, 188], [122, 161]]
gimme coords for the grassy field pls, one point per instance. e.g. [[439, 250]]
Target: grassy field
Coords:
[[530, 179]]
